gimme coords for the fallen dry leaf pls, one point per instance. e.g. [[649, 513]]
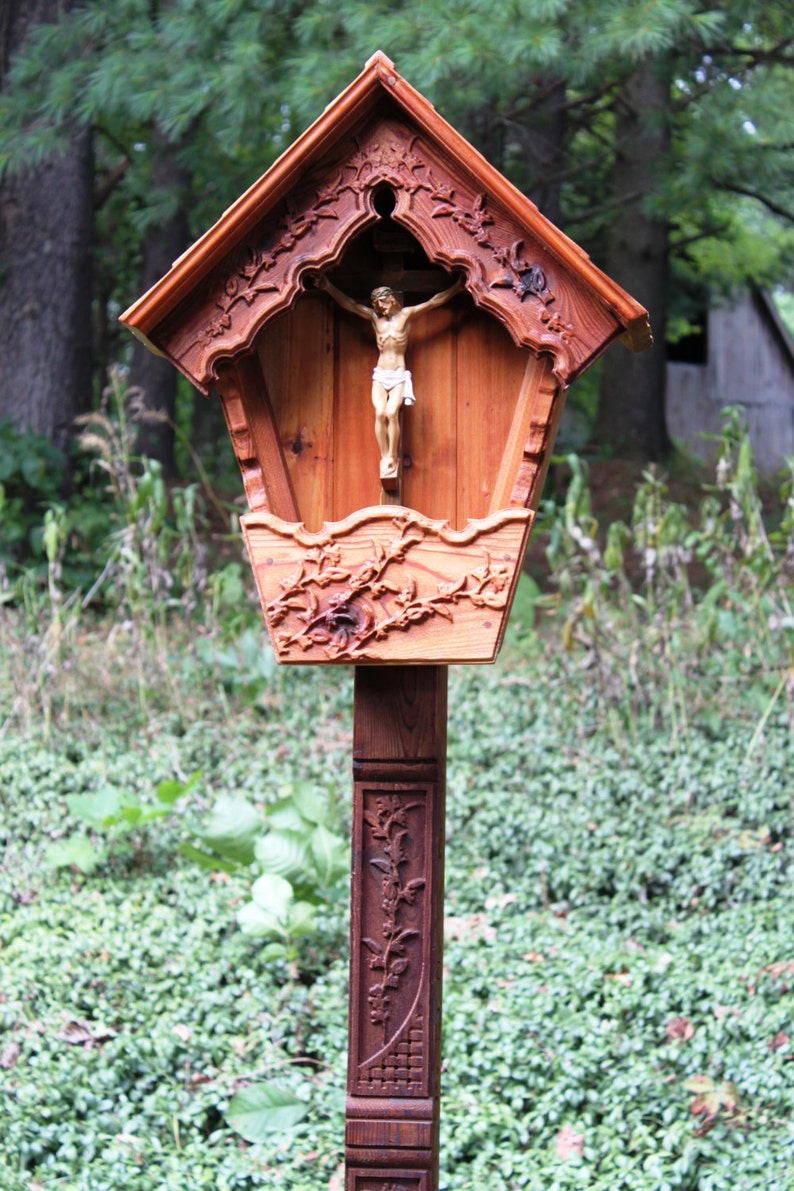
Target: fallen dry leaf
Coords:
[[84, 1033], [183, 1032], [75, 1033], [569, 1143], [777, 1043], [8, 1059], [681, 1028], [622, 977]]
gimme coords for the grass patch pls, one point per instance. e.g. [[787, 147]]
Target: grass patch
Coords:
[[618, 926]]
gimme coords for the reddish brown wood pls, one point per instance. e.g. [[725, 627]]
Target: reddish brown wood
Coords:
[[224, 289], [296, 354], [249, 416], [387, 585], [396, 933]]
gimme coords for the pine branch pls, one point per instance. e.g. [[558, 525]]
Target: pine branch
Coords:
[[746, 192], [109, 182], [706, 233], [776, 55], [624, 200]]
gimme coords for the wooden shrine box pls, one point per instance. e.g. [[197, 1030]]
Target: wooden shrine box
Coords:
[[382, 191]]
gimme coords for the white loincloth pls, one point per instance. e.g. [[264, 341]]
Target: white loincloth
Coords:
[[391, 377]]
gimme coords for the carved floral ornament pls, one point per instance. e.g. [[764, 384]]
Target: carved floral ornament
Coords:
[[386, 584], [382, 161], [389, 825]]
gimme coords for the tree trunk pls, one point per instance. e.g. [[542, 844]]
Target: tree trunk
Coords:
[[154, 376], [631, 405], [46, 220]]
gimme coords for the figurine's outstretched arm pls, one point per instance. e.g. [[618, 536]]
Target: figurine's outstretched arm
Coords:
[[342, 299], [437, 300]]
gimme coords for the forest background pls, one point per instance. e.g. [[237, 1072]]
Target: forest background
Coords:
[[657, 134]]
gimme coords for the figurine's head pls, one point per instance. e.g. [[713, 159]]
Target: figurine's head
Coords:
[[384, 300]]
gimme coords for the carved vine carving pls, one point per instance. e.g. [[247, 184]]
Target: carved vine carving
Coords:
[[398, 164], [389, 824], [523, 276], [346, 623]]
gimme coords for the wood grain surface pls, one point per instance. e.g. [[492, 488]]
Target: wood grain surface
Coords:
[[396, 933]]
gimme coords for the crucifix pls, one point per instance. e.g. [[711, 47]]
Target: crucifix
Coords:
[[398, 590], [392, 385]]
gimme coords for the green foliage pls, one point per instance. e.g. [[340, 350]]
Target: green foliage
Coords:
[[32, 474], [116, 813], [618, 965], [263, 1109], [617, 988], [683, 600], [300, 860]]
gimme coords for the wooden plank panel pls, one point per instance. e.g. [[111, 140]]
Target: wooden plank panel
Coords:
[[490, 370], [356, 454], [243, 382], [387, 585], [429, 426], [296, 354], [532, 411]]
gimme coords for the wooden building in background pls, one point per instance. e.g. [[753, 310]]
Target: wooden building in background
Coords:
[[743, 355]]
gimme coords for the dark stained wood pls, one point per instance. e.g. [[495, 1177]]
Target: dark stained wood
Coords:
[[396, 934]]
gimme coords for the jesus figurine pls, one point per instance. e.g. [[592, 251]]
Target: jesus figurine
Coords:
[[391, 381]]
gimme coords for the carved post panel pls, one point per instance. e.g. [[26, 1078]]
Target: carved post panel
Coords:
[[390, 327]]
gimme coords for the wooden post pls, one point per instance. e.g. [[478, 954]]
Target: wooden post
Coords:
[[396, 932]]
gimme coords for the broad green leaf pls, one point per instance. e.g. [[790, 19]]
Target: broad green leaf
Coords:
[[76, 850], [260, 1110], [312, 802], [301, 920], [272, 893], [331, 855], [283, 853], [169, 791], [231, 829], [284, 816], [207, 860], [101, 809], [132, 813], [268, 912]]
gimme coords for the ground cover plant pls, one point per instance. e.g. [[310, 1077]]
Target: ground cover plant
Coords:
[[619, 986]]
